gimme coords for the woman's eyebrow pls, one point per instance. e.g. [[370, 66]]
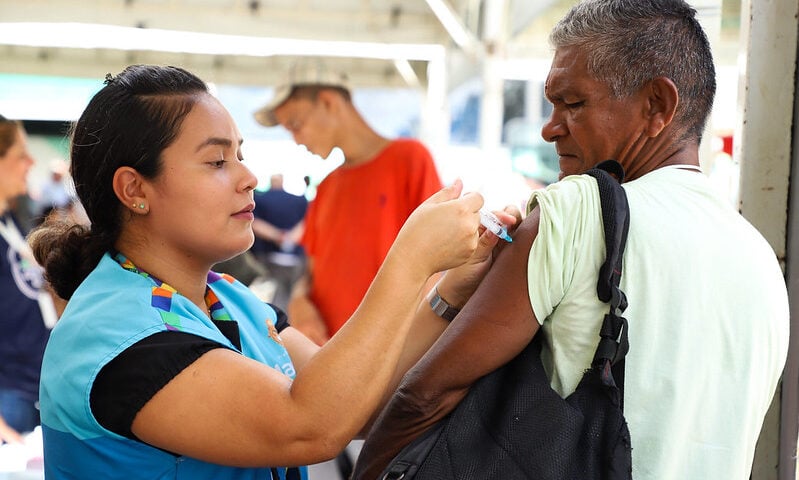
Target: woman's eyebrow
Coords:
[[217, 141]]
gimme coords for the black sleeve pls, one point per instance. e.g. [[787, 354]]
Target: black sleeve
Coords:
[[131, 379], [282, 319]]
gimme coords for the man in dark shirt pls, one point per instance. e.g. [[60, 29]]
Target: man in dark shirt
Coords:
[[278, 228]]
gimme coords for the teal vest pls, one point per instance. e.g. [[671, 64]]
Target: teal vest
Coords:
[[110, 311]]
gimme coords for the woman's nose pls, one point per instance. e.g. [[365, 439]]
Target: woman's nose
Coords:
[[250, 180]]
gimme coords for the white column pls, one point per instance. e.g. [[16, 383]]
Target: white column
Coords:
[[763, 138], [491, 109], [435, 121], [491, 106]]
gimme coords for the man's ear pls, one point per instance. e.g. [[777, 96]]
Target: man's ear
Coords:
[[127, 185], [663, 99], [330, 99]]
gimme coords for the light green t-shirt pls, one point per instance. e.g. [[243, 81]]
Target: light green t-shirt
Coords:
[[708, 318]]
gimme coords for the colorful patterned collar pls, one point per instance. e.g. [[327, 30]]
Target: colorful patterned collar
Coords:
[[162, 292]]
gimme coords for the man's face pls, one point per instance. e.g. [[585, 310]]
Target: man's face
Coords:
[[588, 124], [309, 123]]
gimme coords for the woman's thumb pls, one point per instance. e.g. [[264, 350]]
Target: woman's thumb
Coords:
[[450, 192]]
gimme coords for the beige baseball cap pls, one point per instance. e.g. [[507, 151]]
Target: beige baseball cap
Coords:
[[300, 74]]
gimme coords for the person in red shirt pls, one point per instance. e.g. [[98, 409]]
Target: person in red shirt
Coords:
[[359, 207]]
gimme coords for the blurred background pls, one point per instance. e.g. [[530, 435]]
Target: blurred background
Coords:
[[464, 76]]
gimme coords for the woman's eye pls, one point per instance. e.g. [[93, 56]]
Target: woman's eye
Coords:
[[219, 163]]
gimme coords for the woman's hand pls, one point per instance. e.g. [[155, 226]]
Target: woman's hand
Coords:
[[442, 232], [458, 284]]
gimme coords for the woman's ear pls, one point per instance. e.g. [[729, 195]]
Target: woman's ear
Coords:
[[663, 100], [127, 185]]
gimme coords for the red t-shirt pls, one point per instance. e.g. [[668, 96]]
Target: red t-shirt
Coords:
[[355, 218]]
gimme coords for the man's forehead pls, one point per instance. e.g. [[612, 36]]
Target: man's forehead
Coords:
[[558, 80], [290, 107], [568, 65], [290, 104]]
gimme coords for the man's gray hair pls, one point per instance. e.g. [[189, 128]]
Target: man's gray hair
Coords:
[[630, 42]]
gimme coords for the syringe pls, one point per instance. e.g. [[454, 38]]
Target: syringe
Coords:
[[492, 223]]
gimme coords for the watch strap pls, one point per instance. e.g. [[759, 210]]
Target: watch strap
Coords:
[[441, 307]]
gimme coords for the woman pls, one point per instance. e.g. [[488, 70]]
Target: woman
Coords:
[[162, 369], [23, 333]]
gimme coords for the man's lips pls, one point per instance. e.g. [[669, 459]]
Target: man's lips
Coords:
[[562, 156]]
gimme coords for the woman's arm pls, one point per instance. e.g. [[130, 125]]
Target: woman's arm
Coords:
[[227, 409], [456, 286], [494, 326]]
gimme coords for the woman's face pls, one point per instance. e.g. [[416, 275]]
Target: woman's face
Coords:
[[200, 206], [14, 167]]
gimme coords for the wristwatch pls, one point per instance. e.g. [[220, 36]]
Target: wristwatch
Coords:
[[441, 307]]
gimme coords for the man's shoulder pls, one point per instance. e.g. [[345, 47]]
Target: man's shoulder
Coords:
[[569, 187], [408, 144], [573, 197], [405, 150]]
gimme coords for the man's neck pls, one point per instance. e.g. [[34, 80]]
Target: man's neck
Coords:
[[365, 151]]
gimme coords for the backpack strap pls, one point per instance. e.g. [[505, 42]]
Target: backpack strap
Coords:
[[410, 458], [613, 344]]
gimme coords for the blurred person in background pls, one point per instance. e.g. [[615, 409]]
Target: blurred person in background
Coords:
[[55, 194], [278, 227], [26, 307], [246, 269], [358, 208]]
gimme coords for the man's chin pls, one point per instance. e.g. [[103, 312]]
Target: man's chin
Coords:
[[320, 154]]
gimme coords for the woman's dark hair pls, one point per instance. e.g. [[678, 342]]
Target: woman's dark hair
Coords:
[[128, 123]]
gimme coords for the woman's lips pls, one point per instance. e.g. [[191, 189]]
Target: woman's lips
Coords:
[[245, 213]]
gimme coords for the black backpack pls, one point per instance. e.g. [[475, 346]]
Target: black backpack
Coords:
[[513, 425]]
